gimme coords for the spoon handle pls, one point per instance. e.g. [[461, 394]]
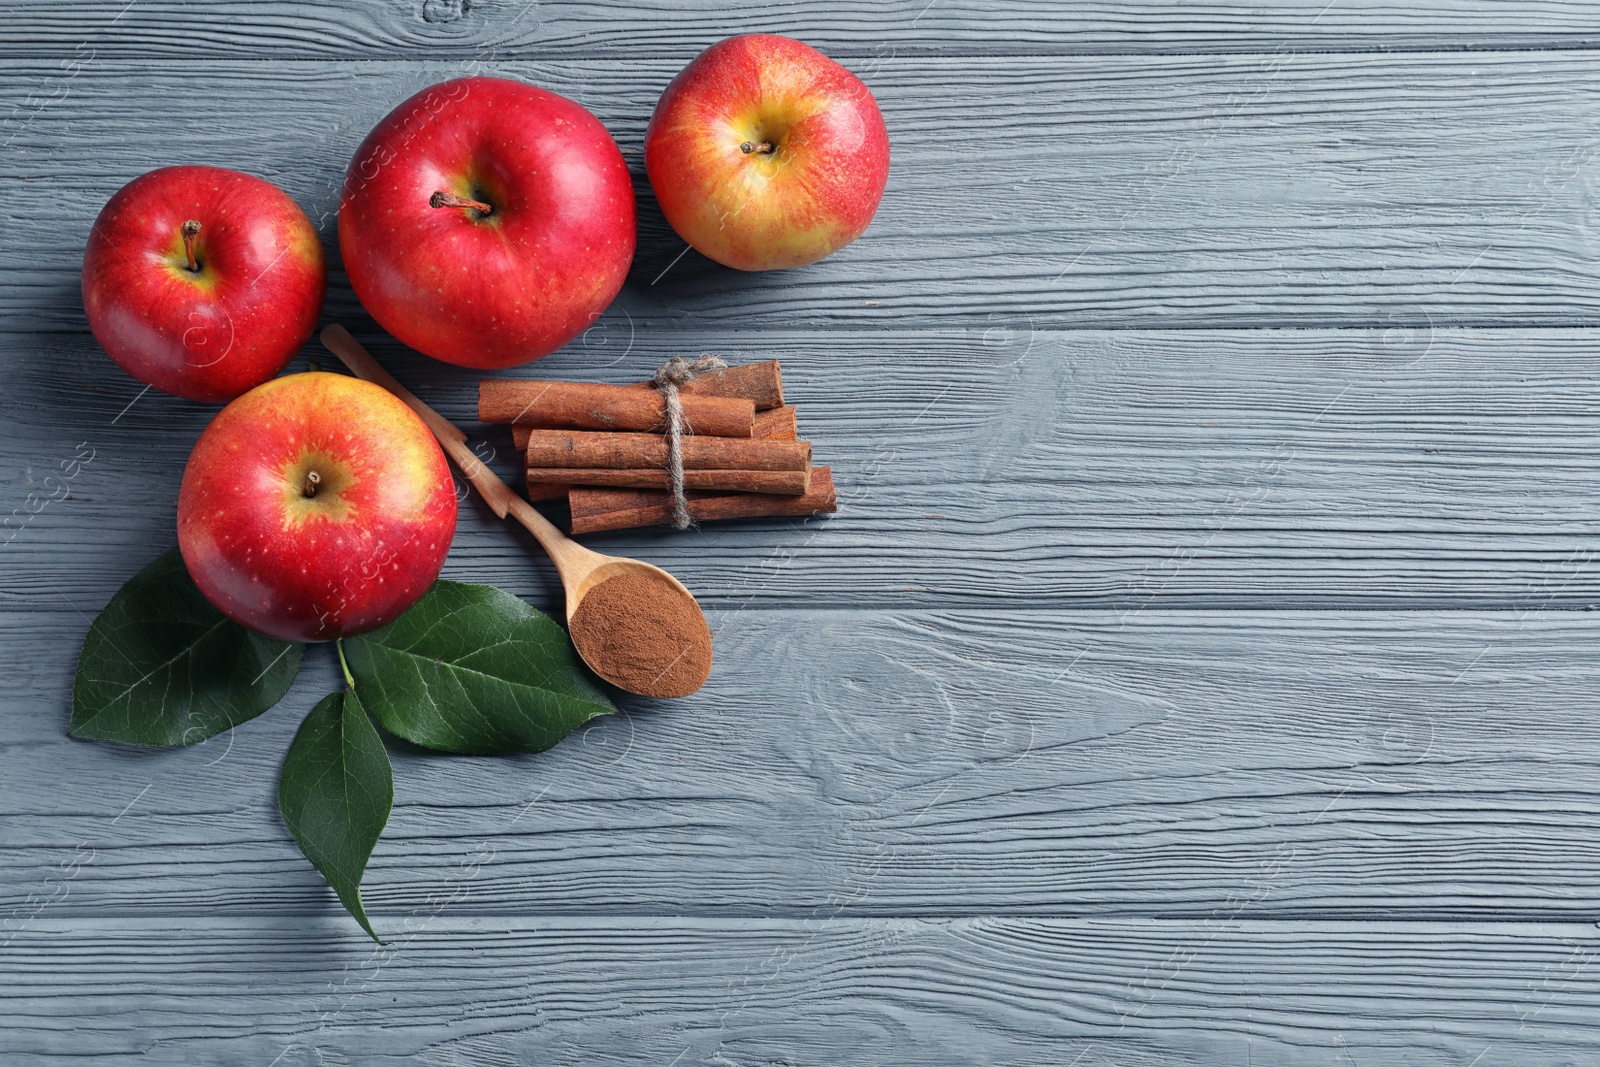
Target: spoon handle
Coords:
[[564, 552]]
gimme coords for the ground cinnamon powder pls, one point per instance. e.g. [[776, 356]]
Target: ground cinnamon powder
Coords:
[[643, 634]]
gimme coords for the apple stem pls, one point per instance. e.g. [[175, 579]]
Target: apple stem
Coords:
[[190, 231], [313, 479], [443, 199], [764, 147]]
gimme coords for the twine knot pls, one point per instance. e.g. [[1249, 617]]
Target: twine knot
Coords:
[[669, 376]]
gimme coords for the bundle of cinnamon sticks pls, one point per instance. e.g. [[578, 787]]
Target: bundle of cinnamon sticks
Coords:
[[602, 447]]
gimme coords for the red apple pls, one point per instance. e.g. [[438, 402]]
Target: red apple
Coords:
[[764, 153], [315, 506], [202, 282], [487, 222]]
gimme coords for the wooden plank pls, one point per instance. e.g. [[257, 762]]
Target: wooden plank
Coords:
[[1123, 470], [368, 29], [1001, 991], [1391, 191], [1408, 764]]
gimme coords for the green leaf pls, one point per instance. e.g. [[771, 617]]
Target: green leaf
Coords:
[[474, 669], [161, 666], [335, 793]]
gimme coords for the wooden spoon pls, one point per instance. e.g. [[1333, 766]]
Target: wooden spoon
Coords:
[[659, 645]]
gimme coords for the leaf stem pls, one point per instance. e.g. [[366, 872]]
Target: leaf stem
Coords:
[[349, 680]]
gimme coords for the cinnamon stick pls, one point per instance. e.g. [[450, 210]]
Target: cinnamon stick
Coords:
[[788, 483], [588, 406], [538, 492], [629, 451], [776, 424], [594, 510], [761, 383]]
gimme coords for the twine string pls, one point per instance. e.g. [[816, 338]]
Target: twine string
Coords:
[[669, 376]]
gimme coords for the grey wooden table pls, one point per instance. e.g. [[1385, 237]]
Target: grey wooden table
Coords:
[[1199, 671]]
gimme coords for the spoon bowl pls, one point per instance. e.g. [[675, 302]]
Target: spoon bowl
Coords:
[[659, 597]]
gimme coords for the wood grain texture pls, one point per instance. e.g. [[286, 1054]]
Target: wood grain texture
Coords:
[[1402, 764], [1126, 470], [1003, 991], [512, 29], [1390, 191]]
